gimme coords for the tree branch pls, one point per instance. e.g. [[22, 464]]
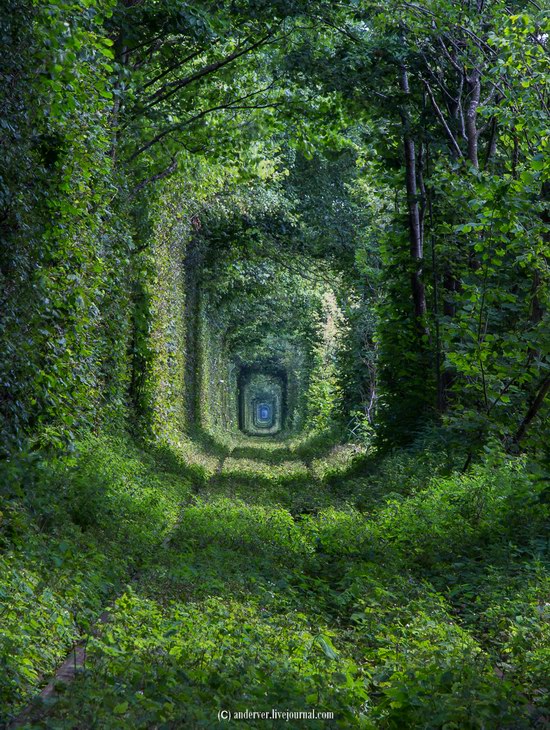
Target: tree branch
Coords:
[[176, 127], [534, 408], [454, 144], [159, 176], [159, 96], [171, 68]]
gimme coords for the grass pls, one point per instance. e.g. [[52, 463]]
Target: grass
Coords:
[[393, 592]]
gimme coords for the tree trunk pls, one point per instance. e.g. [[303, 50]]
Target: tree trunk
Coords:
[[415, 225], [534, 408], [474, 89]]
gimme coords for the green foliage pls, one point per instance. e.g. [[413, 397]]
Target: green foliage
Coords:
[[425, 610], [354, 196], [266, 134], [71, 533], [249, 529], [60, 253], [212, 655]]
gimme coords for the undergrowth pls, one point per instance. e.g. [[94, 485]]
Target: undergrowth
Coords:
[[395, 592], [72, 532]]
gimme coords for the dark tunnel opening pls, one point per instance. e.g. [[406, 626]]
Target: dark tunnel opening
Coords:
[[262, 399]]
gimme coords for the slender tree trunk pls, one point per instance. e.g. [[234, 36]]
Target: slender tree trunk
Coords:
[[492, 145], [415, 225], [473, 82], [515, 154], [121, 55], [534, 408]]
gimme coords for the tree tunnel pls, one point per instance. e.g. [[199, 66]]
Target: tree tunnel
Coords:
[[262, 400], [265, 341], [274, 299]]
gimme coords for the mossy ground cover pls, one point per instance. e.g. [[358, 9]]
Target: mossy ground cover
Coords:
[[385, 595]]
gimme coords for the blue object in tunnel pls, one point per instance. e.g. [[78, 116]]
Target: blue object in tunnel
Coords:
[[263, 412], [261, 402]]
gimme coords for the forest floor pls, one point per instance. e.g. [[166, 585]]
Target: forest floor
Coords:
[[287, 577]]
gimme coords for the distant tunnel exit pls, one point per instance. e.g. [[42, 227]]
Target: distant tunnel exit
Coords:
[[262, 401]]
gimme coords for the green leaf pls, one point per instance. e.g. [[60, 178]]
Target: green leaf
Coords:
[[328, 647]]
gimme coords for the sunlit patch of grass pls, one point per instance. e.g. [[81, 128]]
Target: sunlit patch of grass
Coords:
[[274, 472], [194, 453], [337, 461], [234, 524]]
